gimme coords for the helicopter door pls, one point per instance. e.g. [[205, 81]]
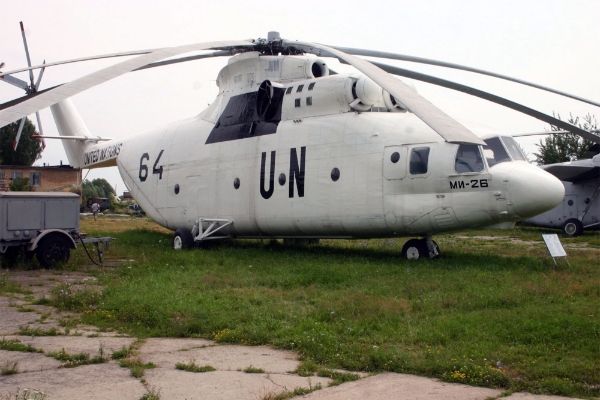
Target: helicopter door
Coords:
[[394, 162]]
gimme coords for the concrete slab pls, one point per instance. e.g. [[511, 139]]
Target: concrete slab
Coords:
[[28, 362], [392, 386], [91, 382], [223, 385], [76, 344], [167, 352], [11, 318]]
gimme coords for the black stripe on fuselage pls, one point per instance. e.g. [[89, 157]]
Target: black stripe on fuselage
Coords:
[[240, 119]]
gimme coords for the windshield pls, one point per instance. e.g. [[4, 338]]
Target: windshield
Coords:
[[513, 148], [494, 152]]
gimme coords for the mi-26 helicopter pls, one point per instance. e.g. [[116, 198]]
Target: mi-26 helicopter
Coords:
[[290, 149]]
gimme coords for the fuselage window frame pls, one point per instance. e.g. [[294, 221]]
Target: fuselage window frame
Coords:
[[311, 86], [419, 160], [289, 90], [468, 159]]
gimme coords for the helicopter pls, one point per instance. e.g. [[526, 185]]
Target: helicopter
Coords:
[[292, 150]]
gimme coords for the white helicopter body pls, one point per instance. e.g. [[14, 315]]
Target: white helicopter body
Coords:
[[284, 183]]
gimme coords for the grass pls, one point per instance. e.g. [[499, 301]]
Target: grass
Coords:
[[27, 331], [493, 311], [192, 367], [136, 366], [76, 360], [26, 394], [16, 345], [10, 368], [253, 370]]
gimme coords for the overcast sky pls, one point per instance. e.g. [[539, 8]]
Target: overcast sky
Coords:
[[553, 43]]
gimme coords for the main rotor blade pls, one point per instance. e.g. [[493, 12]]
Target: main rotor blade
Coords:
[[490, 97], [33, 104], [402, 57], [444, 125], [220, 53], [16, 142], [26, 52]]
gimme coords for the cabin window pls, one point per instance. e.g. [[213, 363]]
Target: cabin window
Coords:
[[289, 90], [14, 175], [309, 101], [513, 148], [311, 86], [297, 103], [35, 179], [494, 152], [299, 88], [419, 158], [468, 159]]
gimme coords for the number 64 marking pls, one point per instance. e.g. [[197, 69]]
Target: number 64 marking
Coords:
[[143, 174]]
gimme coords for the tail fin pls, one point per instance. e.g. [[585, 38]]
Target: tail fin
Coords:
[[69, 123]]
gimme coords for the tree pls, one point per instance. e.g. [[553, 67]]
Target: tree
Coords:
[[557, 148], [20, 185], [97, 188], [29, 149]]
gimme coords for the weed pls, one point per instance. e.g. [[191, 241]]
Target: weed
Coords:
[[120, 354], [76, 360], [136, 366], [27, 331], [26, 394], [16, 345], [10, 368], [192, 367], [253, 370], [338, 377], [8, 286], [151, 395], [299, 391]]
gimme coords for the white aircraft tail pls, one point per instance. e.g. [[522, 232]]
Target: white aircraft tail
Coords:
[[69, 123]]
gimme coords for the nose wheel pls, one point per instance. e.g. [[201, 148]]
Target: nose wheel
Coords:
[[420, 248]]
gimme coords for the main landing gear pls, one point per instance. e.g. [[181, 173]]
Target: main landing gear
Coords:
[[420, 248]]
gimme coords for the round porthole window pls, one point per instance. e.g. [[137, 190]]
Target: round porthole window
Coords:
[[335, 174], [236, 183], [176, 189], [282, 179], [395, 157], [570, 202]]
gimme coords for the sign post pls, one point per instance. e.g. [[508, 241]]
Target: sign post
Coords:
[[555, 247]]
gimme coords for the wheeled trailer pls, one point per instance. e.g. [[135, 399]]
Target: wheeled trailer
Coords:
[[42, 223]]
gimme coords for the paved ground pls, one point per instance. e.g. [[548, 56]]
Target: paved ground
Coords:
[[37, 370]]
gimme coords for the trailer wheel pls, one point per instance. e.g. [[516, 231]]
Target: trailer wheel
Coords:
[[573, 227], [183, 239], [52, 249]]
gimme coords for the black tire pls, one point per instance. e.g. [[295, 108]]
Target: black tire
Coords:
[[183, 239], [572, 227], [52, 249], [414, 249]]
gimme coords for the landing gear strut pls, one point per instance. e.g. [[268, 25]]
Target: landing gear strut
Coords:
[[420, 248]]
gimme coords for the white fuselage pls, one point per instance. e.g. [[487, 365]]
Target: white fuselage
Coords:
[[328, 170]]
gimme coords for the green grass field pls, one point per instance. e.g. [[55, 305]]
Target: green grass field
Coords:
[[493, 311]]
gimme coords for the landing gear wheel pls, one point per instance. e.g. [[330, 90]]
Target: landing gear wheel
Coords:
[[183, 239], [572, 227], [53, 249], [436, 247], [414, 249]]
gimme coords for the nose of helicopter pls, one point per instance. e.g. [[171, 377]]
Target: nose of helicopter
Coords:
[[533, 190]]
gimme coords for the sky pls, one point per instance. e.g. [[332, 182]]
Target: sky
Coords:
[[550, 42]]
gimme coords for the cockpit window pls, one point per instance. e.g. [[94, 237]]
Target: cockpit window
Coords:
[[494, 152], [419, 158], [513, 148], [468, 159]]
